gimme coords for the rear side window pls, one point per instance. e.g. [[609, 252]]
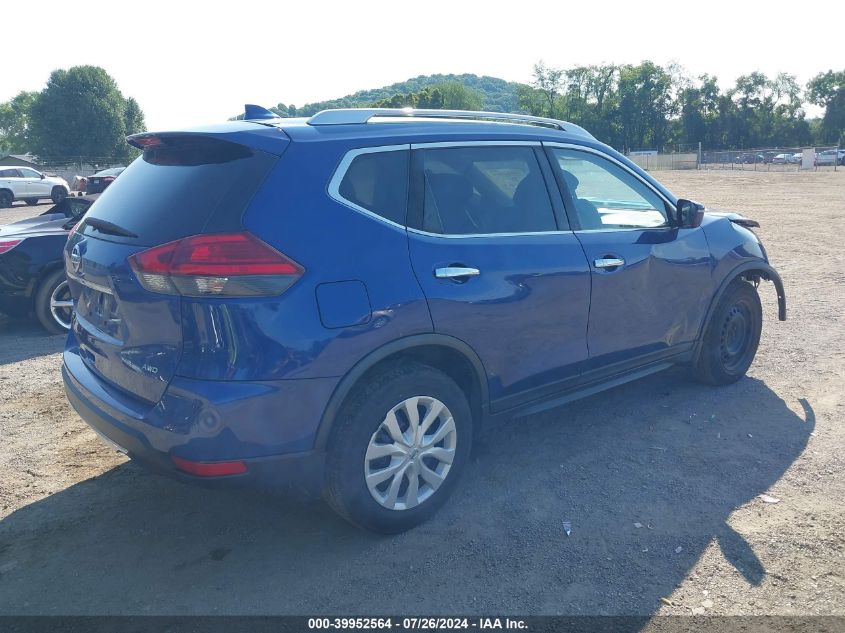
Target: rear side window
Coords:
[[378, 182], [484, 189], [184, 186]]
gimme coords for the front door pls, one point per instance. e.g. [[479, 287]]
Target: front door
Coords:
[[650, 281], [36, 186], [499, 267]]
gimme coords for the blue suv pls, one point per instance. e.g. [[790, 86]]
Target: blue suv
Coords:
[[338, 304]]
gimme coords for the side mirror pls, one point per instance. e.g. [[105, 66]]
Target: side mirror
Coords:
[[42, 176], [689, 214]]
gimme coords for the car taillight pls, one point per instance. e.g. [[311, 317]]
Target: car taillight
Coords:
[[7, 245], [215, 265]]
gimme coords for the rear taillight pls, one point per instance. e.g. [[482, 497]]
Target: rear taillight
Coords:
[[7, 245], [215, 265]]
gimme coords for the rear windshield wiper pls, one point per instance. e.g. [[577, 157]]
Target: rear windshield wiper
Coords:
[[104, 226]]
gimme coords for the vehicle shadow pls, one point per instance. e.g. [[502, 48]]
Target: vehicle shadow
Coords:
[[22, 339], [676, 457]]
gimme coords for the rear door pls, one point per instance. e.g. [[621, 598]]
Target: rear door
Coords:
[[15, 182], [499, 267], [651, 282], [35, 184], [129, 336]]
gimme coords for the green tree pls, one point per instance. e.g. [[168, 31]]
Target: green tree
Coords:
[[14, 122], [133, 117], [82, 112], [828, 90], [645, 105], [543, 95], [457, 96]]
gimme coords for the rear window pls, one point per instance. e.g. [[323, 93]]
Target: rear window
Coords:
[[185, 186], [378, 182]]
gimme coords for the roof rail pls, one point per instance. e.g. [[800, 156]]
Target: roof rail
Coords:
[[345, 116]]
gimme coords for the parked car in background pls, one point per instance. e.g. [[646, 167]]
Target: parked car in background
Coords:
[[340, 304], [102, 179], [25, 183], [830, 157], [32, 275], [781, 159], [795, 159], [750, 158]]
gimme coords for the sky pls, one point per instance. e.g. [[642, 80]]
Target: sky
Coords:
[[190, 63]]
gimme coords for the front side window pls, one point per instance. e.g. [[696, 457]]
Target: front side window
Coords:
[[606, 196], [30, 173], [483, 190], [378, 182]]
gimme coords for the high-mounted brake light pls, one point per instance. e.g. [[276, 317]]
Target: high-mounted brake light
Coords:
[[215, 265], [7, 245], [143, 142]]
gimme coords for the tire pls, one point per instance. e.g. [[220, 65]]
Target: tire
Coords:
[[732, 336], [361, 434], [58, 194], [54, 287], [6, 198], [32, 201]]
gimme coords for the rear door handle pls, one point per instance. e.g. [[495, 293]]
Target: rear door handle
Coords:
[[456, 272], [609, 262]]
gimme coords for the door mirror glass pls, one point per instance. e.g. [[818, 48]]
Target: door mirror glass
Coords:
[[689, 214]]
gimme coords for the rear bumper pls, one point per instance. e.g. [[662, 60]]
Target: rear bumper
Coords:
[[190, 424]]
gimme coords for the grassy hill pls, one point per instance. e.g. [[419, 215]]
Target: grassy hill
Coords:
[[498, 95]]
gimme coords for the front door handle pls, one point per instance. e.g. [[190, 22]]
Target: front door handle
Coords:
[[456, 272], [609, 262]]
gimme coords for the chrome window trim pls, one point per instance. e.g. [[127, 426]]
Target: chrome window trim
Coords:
[[591, 150], [340, 174], [476, 235], [348, 157], [447, 144]]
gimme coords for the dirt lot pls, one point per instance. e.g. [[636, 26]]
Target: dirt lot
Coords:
[[85, 532]]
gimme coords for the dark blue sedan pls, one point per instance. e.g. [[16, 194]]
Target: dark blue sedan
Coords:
[[337, 304]]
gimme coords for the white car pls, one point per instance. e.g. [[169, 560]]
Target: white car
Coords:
[[24, 183], [831, 157]]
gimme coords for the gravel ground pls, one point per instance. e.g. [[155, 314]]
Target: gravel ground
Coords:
[[660, 480]]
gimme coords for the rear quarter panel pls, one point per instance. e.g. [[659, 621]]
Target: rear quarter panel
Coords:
[[284, 337]]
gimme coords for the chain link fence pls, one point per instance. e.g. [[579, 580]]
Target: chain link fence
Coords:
[[682, 156], [775, 159], [71, 167], [692, 156]]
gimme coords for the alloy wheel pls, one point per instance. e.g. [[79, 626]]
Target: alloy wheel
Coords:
[[61, 305]]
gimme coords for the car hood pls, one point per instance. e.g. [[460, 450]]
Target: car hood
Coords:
[[39, 225]]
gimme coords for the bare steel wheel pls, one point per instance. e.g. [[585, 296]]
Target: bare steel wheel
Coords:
[[731, 337], [411, 453]]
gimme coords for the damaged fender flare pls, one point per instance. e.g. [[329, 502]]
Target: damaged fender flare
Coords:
[[753, 270]]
